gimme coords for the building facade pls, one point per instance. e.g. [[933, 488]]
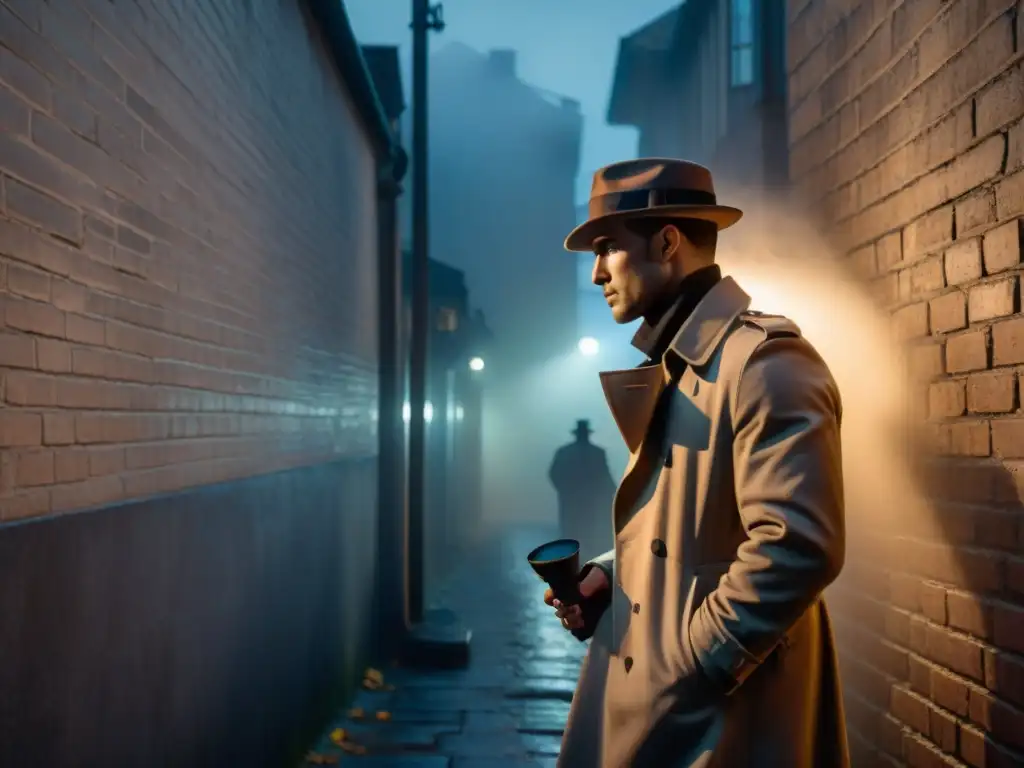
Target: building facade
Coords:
[[189, 264], [907, 143], [503, 163], [706, 82]]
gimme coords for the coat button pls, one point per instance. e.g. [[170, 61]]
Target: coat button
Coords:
[[636, 607], [628, 662], [658, 548]]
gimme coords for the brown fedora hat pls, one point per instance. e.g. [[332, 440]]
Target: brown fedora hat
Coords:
[[651, 186]]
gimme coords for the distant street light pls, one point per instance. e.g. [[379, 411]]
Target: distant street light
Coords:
[[428, 412], [588, 346], [476, 364]]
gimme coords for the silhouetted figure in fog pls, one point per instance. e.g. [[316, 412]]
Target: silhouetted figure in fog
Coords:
[[585, 490]]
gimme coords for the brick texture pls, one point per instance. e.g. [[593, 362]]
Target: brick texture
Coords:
[[187, 250], [907, 144]]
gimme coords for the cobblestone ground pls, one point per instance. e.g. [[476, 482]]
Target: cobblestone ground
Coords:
[[507, 710]]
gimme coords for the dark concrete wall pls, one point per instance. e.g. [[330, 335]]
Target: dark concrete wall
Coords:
[[215, 627], [188, 287]]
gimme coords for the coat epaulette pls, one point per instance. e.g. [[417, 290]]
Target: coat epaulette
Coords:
[[774, 326]]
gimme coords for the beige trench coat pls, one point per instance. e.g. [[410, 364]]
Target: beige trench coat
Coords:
[[716, 649]]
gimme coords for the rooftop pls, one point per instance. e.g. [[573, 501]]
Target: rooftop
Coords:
[[386, 73], [463, 55]]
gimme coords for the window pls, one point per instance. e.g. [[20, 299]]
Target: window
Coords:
[[447, 320], [742, 20]]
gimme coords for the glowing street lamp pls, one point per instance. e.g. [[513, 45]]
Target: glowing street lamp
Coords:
[[476, 364], [588, 346], [428, 412]]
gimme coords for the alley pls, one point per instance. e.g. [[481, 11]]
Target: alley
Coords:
[[285, 309], [507, 709]]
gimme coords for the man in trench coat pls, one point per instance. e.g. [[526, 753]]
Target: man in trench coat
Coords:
[[710, 641]]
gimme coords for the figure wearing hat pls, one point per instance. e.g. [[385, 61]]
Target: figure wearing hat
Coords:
[[585, 490], [710, 644]]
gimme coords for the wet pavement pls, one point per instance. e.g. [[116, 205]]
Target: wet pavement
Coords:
[[507, 710]]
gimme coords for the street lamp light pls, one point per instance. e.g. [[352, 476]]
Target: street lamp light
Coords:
[[476, 364], [588, 346], [428, 412]]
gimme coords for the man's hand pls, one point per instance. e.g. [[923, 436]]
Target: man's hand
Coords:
[[571, 616]]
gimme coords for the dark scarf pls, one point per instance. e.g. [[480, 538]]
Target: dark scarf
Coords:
[[663, 323]]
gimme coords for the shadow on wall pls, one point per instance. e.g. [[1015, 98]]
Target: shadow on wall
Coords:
[[930, 587]]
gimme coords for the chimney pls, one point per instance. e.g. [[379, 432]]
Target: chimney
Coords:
[[503, 62]]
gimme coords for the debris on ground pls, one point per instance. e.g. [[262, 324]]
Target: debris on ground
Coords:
[[316, 758], [373, 680], [340, 738], [509, 707]]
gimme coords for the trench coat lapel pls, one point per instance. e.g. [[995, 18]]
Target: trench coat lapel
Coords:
[[633, 394]]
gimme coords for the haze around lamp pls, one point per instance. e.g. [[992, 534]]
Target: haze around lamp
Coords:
[[588, 346]]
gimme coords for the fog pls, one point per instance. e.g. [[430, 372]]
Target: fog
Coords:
[[568, 46], [503, 167], [504, 170], [788, 269]]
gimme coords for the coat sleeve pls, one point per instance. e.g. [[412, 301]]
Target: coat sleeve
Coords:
[[789, 489], [605, 561]]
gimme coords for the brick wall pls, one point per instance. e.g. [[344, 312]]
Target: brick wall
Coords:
[[187, 250], [905, 126]]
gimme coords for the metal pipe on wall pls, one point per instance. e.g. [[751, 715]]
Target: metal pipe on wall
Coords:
[[391, 486]]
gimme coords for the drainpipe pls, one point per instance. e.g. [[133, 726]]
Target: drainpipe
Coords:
[[392, 565]]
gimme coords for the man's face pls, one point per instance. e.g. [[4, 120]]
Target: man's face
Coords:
[[631, 270]]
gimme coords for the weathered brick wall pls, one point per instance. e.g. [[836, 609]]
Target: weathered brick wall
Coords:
[[905, 126], [187, 250]]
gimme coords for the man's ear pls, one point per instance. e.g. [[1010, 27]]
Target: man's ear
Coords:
[[670, 242]]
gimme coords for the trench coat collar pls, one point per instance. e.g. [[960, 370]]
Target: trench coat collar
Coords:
[[653, 338], [705, 328], [632, 394]]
